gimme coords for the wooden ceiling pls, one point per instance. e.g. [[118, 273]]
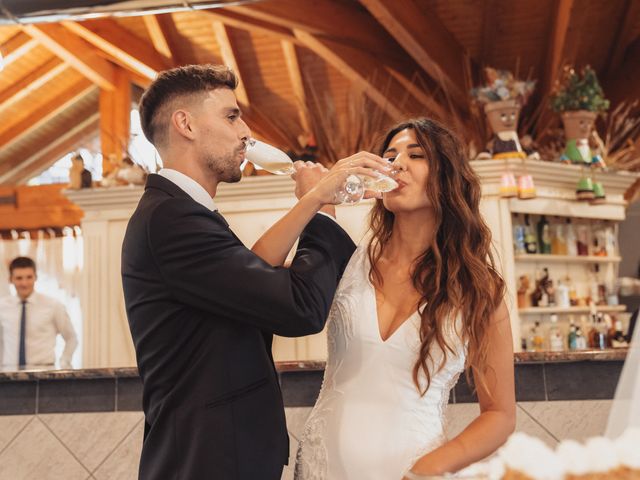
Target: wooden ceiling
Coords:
[[65, 85]]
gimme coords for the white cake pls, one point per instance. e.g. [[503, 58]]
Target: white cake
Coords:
[[528, 458]]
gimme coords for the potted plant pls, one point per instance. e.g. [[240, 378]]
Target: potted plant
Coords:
[[503, 97], [579, 99]]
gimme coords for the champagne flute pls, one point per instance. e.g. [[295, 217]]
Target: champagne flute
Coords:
[[275, 161], [268, 157]]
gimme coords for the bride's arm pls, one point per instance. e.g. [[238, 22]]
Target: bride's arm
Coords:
[[497, 408]]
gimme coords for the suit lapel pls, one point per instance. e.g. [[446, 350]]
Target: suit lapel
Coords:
[[167, 186]]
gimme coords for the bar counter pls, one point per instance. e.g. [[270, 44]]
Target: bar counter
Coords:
[[540, 376]]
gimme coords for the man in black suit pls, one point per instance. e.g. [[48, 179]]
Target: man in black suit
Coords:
[[202, 307]]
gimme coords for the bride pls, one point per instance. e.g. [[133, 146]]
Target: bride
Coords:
[[417, 305]]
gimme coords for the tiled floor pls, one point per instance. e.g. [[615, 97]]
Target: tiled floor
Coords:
[[106, 446]]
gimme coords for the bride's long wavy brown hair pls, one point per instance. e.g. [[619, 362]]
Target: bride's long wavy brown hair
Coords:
[[456, 274]]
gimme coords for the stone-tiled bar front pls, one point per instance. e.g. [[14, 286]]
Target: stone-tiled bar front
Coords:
[[88, 424]]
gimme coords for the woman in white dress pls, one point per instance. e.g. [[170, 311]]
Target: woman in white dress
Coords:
[[417, 305]]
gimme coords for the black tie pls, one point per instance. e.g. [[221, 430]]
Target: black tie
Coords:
[[23, 333]]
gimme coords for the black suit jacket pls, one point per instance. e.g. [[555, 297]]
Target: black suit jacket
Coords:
[[202, 309]]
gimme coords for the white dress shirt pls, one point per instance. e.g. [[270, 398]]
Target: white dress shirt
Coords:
[[190, 186], [45, 319]]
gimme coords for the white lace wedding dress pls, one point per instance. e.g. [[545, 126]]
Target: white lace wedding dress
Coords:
[[369, 422]]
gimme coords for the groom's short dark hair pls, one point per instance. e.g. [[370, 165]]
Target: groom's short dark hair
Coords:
[[175, 83]]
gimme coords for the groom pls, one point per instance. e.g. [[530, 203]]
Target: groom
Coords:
[[202, 307]]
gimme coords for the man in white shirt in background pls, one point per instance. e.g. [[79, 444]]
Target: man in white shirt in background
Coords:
[[31, 321]]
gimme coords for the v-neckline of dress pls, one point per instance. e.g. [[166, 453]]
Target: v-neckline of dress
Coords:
[[373, 291]]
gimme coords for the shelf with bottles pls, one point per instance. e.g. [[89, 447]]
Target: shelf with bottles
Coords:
[[597, 331], [564, 239], [566, 287], [551, 310], [541, 258]]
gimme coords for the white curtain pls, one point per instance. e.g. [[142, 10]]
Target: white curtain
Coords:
[[625, 410]]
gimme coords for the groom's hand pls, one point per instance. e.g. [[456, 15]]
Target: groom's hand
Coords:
[[307, 176]]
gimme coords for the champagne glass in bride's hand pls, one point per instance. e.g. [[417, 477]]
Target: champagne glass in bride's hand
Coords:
[[275, 161], [354, 188]]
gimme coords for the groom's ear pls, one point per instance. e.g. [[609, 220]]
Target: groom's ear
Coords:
[[182, 123]]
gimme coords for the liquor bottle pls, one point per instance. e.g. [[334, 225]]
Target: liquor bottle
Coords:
[[618, 339], [581, 341], [518, 237], [530, 242], [562, 294], [573, 294], [540, 295], [582, 232], [612, 294], [610, 240], [599, 336], [597, 290], [558, 239], [599, 240], [572, 336], [536, 340], [556, 344], [572, 245], [592, 329], [544, 236]]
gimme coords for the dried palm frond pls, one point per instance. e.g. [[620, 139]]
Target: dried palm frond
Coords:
[[340, 132], [621, 144]]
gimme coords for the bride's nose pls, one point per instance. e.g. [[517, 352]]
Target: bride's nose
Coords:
[[399, 162]]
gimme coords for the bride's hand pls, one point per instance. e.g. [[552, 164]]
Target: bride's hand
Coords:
[[362, 164]]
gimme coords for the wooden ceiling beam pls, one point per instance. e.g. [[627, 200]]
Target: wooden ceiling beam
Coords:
[[16, 46], [295, 77], [31, 82], [244, 22], [159, 38], [43, 113], [624, 36], [251, 113], [425, 38], [229, 58], [21, 172], [489, 33], [358, 67], [75, 51], [556, 46], [115, 119], [174, 39], [343, 21], [335, 21], [122, 46]]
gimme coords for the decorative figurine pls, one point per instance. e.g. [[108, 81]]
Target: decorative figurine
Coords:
[[579, 99], [523, 288], [503, 97], [79, 177]]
